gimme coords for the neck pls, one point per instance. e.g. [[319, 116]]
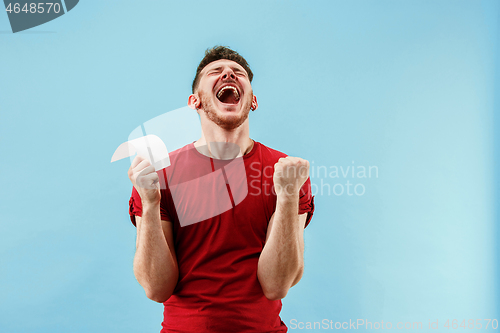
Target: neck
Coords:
[[211, 132]]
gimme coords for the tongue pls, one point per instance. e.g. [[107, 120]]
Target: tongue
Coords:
[[228, 97]]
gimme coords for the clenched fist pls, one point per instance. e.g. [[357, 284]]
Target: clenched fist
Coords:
[[145, 179], [290, 173]]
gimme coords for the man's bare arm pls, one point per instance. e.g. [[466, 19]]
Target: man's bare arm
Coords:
[[155, 264], [281, 262]]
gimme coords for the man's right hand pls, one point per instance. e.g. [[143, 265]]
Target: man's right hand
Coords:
[[145, 180]]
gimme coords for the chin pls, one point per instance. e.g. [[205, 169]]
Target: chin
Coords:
[[230, 122], [228, 116], [227, 120]]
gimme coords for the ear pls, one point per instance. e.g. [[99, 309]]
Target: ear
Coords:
[[194, 101], [255, 105]]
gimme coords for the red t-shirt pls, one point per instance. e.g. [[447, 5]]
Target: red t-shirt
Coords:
[[218, 248]]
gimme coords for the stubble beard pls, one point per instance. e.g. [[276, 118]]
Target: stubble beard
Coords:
[[229, 122]]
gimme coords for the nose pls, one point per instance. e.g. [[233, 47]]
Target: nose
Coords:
[[228, 74]]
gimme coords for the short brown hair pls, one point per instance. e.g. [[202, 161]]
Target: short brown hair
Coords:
[[217, 53]]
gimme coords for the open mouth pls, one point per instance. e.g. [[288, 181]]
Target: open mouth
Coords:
[[228, 94]]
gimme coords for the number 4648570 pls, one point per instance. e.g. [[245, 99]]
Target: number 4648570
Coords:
[[471, 324], [34, 7]]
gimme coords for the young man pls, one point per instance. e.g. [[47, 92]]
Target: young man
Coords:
[[221, 257]]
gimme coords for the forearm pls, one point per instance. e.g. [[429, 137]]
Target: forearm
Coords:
[[282, 259], [155, 267]]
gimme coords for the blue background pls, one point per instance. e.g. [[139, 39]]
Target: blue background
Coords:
[[411, 87]]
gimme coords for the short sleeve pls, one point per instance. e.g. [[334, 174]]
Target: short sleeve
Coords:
[[135, 207], [306, 201]]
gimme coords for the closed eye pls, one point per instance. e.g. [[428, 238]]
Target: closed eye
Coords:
[[214, 72], [239, 72]]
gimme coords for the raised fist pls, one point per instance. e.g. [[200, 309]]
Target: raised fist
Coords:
[[145, 179], [290, 173]]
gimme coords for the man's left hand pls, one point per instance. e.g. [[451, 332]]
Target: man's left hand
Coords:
[[290, 173]]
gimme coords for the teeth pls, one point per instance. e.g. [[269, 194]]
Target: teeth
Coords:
[[235, 91]]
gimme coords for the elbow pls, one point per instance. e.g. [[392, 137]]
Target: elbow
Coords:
[[159, 292], [276, 294], [160, 296], [273, 290], [276, 289]]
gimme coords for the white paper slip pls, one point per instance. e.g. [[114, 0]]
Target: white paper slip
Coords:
[[150, 147]]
